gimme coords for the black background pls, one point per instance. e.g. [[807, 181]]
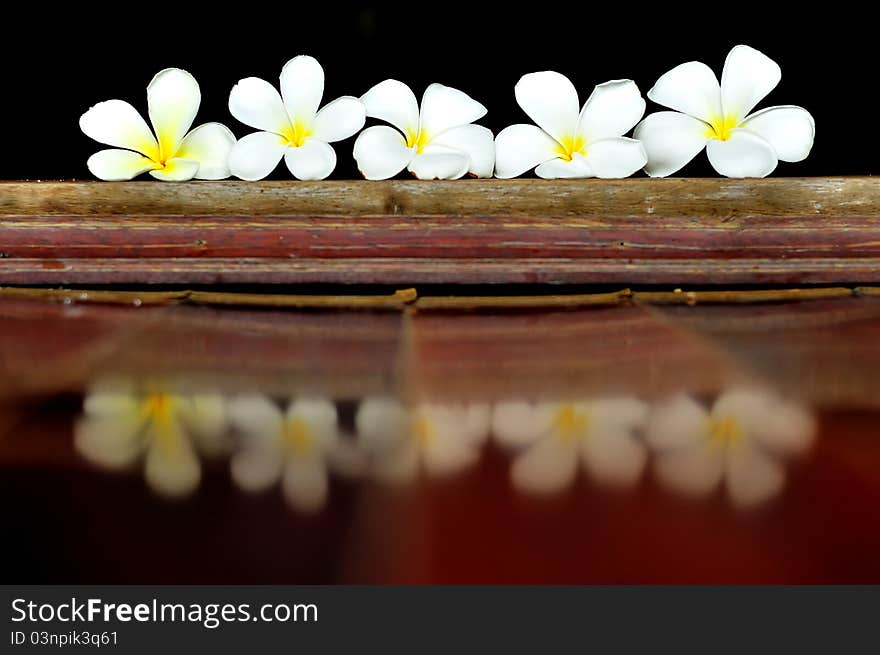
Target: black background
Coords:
[[59, 61]]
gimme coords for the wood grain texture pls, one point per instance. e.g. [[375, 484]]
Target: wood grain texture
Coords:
[[402, 232]]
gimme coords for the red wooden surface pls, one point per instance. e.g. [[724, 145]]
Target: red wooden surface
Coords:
[[823, 230], [470, 528]]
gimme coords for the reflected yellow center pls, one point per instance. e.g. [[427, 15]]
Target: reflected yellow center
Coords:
[[724, 431], [157, 407], [296, 134], [422, 430], [416, 140], [720, 127], [569, 145], [297, 435], [157, 411], [569, 423]]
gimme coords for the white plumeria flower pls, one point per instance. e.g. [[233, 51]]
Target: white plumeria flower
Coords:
[[295, 447], [570, 142], [437, 142], [444, 439], [292, 127], [555, 436], [172, 154], [740, 440], [717, 117], [120, 424]]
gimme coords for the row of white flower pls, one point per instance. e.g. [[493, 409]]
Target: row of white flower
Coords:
[[439, 140], [740, 439]]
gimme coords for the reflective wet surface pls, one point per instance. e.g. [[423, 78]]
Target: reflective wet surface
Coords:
[[708, 443]]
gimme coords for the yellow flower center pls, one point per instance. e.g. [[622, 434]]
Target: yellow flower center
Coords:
[[422, 430], [569, 423], [569, 145], [157, 412], [720, 127], [157, 407], [297, 435], [416, 140], [724, 431], [296, 133]]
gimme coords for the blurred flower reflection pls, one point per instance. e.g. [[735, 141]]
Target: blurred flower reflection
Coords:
[[553, 437], [740, 440], [443, 439], [296, 446], [121, 423]]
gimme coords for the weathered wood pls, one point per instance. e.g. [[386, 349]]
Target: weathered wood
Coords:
[[418, 271], [401, 232]]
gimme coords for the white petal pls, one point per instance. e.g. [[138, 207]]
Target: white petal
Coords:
[[614, 458], [744, 154], [671, 140], [381, 423], [516, 424], [749, 407], [116, 165], [302, 87], [210, 145], [789, 129], [173, 97], [613, 109], [256, 469], [257, 103], [381, 152], [112, 403], [172, 466], [519, 148], [786, 428], [547, 467], [747, 404], [319, 414], [694, 471], [752, 476], [474, 140], [339, 119], [691, 88], [577, 167], [204, 416], [449, 447], [256, 155], [616, 157], [439, 165], [477, 422], [176, 170], [305, 483], [116, 123], [255, 416], [617, 415], [110, 442], [444, 107], [550, 100], [394, 102], [445, 456], [676, 422], [314, 160], [748, 76]]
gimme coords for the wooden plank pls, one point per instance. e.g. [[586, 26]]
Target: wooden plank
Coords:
[[403, 232], [417, 271]]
